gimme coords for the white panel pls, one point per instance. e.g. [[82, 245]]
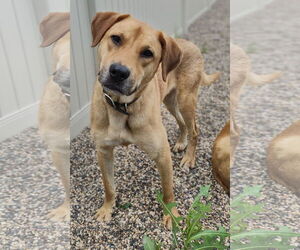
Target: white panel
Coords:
[[240, 8], [14, 47], [8, 98], [75, 100], [35, 63], [87, 51], [58, 5], [78, 55], [41, 10], [23, 64], [15, 122], [164, 15]]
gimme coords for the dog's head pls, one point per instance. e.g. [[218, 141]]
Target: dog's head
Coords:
[[55, 29], [130, 52]]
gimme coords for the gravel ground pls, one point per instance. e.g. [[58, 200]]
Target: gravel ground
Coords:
[[271, 38], [30, 187], [136, 178]]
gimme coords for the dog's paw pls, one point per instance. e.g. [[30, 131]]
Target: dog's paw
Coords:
[[167, 219], [187, 162], [179, 147], [62, 213], [104, 214]]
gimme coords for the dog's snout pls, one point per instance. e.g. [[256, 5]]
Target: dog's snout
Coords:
[[118, 72]]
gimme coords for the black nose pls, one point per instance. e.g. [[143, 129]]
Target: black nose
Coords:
[[118, 72]]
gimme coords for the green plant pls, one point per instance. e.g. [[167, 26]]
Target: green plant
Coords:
[[150, 244], [241, 211], [204, 49], [193, 236], [187, 232], [125, 205]]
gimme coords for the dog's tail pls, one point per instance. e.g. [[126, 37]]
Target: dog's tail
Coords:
[[256, 80], [209, 79]]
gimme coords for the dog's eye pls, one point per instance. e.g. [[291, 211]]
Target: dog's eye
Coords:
[[147, 53], [116, 39]]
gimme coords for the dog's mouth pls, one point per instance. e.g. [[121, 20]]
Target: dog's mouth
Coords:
[[125, 87]]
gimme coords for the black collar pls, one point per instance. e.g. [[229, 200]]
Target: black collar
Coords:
[[63, 82], [120, 107]]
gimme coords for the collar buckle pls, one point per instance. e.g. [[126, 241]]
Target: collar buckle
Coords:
[[111, 100]]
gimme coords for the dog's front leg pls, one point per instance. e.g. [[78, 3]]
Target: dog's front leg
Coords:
[[157, 147], [105, 160], [61, 161]]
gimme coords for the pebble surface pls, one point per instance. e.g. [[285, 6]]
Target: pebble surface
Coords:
[[30, 188], [136, 177], [271, 38]]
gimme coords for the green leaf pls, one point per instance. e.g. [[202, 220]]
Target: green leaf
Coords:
[[264, 233], [125, 205], [239, 217], [168, 210], [209, 233], [204, 191], [176, 228], [212, 246], [248, 191], [241, 212], [150, 244]]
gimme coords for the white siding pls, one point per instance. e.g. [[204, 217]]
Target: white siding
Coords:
[[24, 66], [172, 16], [240, 8]]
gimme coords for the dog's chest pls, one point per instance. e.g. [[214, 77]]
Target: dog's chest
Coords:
[[118, 132]]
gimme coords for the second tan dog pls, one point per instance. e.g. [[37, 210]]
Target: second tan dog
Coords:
[[140, 68], [228, 139], [54, 109], [283, 158]]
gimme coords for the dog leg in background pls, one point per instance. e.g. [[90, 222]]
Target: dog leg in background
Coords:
[[105, 159], [183, 104], [172, 106], [187, 108], [62, 163]]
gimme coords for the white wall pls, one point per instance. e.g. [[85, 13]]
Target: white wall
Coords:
[[172, 16], [240, 8], [24, 66]]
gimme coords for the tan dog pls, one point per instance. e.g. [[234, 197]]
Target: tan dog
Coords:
[[54, 110], [221, 158], [283, 158], [228, 139], [240, 75], [140, 68]]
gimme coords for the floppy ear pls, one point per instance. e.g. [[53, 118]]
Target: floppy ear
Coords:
[[54, 26], [102, 22], [171, 54]]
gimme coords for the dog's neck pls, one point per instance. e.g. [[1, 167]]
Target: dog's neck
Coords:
[[120, 107], [120, 98], [127, 103]]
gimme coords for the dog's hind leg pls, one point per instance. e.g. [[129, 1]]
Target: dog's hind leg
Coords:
[[105, 159], [61, 160], [171, 104], [187, 105]]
